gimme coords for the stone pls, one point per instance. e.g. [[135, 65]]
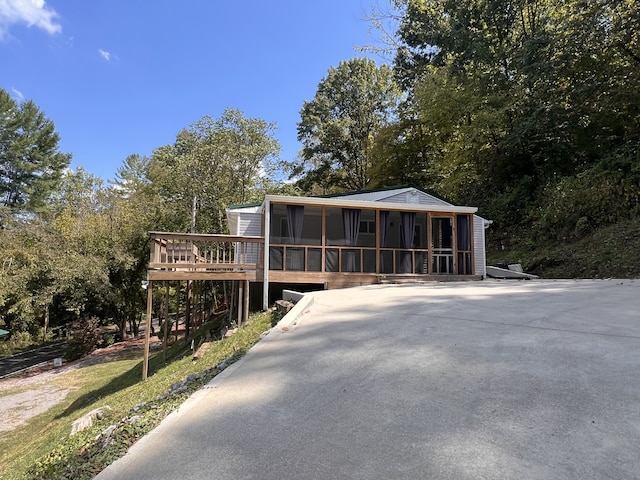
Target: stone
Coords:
[[87, 419]]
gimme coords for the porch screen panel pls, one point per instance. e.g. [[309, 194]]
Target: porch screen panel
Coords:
[[295, 221], [463, 238], [407, 234], [351, 227], [384, 228]]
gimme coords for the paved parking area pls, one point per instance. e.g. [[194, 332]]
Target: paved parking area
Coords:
[[479, 380]]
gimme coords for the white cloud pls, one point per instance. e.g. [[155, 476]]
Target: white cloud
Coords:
[[104, 54], [18, 94], [30, 12]]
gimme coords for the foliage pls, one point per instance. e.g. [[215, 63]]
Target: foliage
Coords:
[[337, 128], [17, 342], [84, 250], [40, 281], [527, 109], [213, 164], [85, 334], [30, 163], [611, 251]]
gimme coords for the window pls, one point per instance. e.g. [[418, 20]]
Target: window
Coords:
[[368, 227]]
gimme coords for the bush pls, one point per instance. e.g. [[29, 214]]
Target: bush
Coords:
[[85, 337], [579, 205], [17, 342]]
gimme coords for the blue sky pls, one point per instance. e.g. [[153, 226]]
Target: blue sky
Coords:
[[121, 77]]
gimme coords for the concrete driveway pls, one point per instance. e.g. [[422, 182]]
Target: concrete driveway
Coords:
[[479, 380]]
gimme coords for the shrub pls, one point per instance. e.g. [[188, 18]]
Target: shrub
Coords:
[[85, 337]]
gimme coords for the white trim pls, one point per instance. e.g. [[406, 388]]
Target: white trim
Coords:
[[350, 203], [265, 253]]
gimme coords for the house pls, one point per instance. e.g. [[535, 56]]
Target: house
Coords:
[[396, 234], [358, 238]]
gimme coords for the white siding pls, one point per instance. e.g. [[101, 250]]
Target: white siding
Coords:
[[480, 258], [409, 197], [398, 195], [250, 224]]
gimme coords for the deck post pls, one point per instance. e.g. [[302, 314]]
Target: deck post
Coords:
[[178, 308], [187, 317], [165, 326], [147, 330], [240, 301], [246, 301]]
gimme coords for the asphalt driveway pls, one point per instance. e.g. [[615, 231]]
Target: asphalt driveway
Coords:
[[478, 380]]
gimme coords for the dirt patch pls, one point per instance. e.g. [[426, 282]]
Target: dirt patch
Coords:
[[36, 393]]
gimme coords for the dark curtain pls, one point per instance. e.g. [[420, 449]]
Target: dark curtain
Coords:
[[331, 260], [384, 227], [464, 237], [351, 225], [295, 220], [407, 233], [463, 223]]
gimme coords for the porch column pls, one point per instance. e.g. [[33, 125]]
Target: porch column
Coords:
[[429, 244], [378, 242], [265, 253]]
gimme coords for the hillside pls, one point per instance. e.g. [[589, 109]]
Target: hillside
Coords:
[[612, 251]]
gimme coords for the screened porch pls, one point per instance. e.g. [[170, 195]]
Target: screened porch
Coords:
[[331, 239]]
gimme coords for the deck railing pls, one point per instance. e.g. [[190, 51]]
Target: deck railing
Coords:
[[194, 252]]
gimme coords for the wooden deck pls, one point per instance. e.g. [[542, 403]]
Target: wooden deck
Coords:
[[181, 256]]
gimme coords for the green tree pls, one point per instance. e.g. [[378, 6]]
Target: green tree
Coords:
[[512, 96], [30, 162], [47, 280], [353, 103], [213, 164], [110, 224]]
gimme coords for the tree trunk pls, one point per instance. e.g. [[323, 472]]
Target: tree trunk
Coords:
[[46, 323]]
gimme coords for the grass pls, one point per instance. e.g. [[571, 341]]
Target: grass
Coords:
[[44, 449]]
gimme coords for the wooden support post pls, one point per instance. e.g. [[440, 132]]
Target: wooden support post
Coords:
[[187, 317], [165, 327], [232, 300], [240, 302], [177, 308], [246, 301], [147, 330]]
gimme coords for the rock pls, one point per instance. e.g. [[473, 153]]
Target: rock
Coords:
[[282, 308], [139, 406], [202, 350], [107, 431], [222, 365], [87, 419]]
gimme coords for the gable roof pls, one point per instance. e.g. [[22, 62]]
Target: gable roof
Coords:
[[390, 197], [406, 194], [377, 194]]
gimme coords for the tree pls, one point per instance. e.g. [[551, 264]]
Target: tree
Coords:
[[48, 280], [337, 128], [211, 165], [30, 162], [512, 96], [111, 224]]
